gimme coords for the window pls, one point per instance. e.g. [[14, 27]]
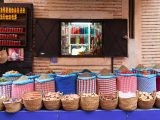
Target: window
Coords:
[[81, 38]]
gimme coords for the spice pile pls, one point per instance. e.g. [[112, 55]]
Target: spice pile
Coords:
[[158, 94], [22, 78], [12, 72], [52, 96], [89, 95], [108, 97], [70, 97], [144, 96], [3, 80], [12, 100], [43, 76]]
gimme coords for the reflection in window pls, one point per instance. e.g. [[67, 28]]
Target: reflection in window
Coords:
[[81, 38]]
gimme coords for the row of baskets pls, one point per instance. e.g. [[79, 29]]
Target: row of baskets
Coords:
[[71, 84], [34, 101]]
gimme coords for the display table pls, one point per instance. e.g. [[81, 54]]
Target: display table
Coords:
[[153, 114]]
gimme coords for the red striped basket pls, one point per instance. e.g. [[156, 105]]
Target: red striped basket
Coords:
[[106, 85], [127, 83], [86, 85], [19, 88], [5, 89], [46, 85], [158, 82]]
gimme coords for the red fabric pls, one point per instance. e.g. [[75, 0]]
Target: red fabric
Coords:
[[19, 90], [5, 90], [158, 83], [86, 86], [45, 86], [127, 83], [106, 86]]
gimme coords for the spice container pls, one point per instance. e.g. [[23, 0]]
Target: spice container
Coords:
[[12, 105]]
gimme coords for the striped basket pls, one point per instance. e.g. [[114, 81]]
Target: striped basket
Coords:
[[106, 85], [86, 85], [21, 87], [127, 83], [146, 83], [158, 82], [46, 85], [12, 77], [5, 88]]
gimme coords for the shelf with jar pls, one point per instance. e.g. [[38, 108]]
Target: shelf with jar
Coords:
[[13, 25]]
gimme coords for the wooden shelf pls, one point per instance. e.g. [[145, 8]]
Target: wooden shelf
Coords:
[[12, 32]]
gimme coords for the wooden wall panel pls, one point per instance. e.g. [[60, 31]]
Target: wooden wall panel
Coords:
[[76, 9], [150, 32]]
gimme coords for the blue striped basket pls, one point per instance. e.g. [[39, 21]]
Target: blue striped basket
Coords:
[[146, 83]]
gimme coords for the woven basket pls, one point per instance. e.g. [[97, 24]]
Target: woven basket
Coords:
[[158, 82], [108, 104], [128, 104], [5, 89], [70, 104], [32, 101], [106, 85], [89, 103], [127, 83], [146, 83], [147, 104], [19, 89], [1, 103], [157, 102], [86, 84], [54, 104], [13, 107]]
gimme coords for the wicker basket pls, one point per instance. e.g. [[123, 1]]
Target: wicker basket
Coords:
[[89, 103], [108, 104], [128, 104], [53, 104], [1, 103], [13, 107], [147, 104], [70, 104], [32, 101], [157, 102]]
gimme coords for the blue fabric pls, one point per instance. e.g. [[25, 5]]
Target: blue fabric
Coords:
[[86, 78], [146, 76], [66, 83], [44, 80], [23, 82], [33, 76], [146, 84], [6, 83], [12, 75], [52, 75], [106, 77], [127, 75]]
